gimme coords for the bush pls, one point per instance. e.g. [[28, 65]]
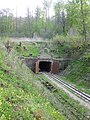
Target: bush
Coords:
[[17, 34], [46, 34]]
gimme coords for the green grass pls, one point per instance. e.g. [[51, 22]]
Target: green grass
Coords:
[[29, 49], [19, 97], [73, 47], [20, 101], [78, 73], [65, 103]]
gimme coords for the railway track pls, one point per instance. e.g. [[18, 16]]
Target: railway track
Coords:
[[63, 104], [82, 95]]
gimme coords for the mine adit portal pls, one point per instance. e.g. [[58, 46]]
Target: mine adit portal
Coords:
[[47, 66]]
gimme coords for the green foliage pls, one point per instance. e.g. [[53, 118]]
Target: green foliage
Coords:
[[78, 15], [78, 68], [27, 50], [64, 100], [19, 97], [78, 74], [67, 47], [68, 15], [5, 22]]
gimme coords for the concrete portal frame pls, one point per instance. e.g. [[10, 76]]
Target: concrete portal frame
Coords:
[[37, 65], [57, 65]]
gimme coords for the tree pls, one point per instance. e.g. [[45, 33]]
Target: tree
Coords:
[[60, 17], [78, 15], [47, 4], [6, 21], [38, 19]]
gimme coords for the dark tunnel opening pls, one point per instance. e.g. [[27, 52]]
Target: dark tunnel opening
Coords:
[[45, 66]]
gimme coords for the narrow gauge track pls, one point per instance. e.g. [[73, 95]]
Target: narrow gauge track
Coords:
[[73, 112], [82, 95]]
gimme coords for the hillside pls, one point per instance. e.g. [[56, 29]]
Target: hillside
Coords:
[[78, 73], [20, 97], [78, 70], [45, 60], [23, 96]]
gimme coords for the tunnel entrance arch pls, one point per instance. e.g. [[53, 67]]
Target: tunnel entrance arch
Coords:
[[44, 66]]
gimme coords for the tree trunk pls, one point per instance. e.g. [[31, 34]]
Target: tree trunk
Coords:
[[83, 20]]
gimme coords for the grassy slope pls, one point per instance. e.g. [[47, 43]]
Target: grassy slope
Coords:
[[79, 69], [78, 73], [19, 98], [29, 49], [37, 46]]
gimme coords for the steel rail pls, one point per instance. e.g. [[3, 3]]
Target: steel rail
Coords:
[[83, 95]]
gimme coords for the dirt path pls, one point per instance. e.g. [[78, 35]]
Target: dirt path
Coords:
[[28, 40], [82, 102]]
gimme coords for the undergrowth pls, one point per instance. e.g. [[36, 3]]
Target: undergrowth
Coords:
[[19, 98], [78, 73], [27, 50]]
